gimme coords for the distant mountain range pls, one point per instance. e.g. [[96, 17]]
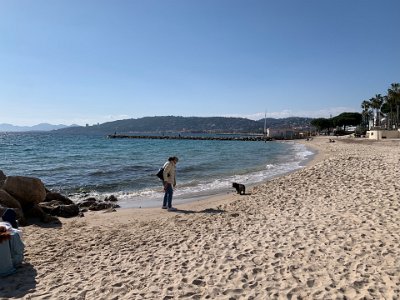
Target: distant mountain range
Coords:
[[165, 124], [39, 127]]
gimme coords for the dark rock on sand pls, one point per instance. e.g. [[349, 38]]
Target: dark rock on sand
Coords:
[[111, 198], [34, 211], [59, 209], [95, 205], [50, 196]]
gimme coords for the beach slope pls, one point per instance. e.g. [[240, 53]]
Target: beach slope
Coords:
[[328, 231]]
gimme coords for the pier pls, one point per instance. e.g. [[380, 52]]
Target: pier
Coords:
[[201, 138]]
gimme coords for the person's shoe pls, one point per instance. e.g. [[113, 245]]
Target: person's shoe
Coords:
[[172, 209], [164, 207]]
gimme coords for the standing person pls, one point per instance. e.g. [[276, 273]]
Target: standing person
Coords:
[[169, 182]]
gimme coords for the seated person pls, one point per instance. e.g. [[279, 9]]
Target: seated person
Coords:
[[12, 239], [10, 216], [6, 264]]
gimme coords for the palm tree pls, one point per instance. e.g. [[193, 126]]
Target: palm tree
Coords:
[[394, 97], [387, 108], [376, 104], [366, 112]]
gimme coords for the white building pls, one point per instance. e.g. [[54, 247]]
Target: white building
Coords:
[[383, 134]]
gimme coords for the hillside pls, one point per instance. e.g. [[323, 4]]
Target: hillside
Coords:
[[188, 124]]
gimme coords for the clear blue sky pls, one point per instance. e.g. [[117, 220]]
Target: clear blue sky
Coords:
[[70, 61]]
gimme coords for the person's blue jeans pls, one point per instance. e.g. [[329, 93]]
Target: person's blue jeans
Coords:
[[168, 196]]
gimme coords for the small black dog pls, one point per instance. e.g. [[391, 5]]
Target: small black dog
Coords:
[[240, 188]]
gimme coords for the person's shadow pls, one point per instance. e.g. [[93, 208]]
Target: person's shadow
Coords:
[[20, 283], [204, 211]]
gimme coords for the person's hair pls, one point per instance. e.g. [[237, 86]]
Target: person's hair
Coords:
[[4, 234], [173, 158]]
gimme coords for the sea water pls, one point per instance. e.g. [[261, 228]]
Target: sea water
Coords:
[[81, 166]]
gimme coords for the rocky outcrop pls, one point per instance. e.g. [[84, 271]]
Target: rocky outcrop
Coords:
[[27, 190], [7, 200], [2, 178], [30, 199]]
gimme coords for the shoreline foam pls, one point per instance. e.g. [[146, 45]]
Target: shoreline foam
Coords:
[[330, 230], [187, 194]]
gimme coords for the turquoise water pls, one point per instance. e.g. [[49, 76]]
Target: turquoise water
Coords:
[[81, 166]]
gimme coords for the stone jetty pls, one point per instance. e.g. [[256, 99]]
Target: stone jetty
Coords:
[[203, 138]]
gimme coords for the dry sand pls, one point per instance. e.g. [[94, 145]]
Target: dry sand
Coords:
[[328, 231]]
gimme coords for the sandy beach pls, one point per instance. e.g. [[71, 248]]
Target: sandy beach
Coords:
[[328, 231]]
